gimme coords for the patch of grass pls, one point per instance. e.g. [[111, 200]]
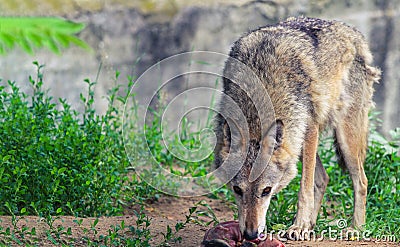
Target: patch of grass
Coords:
[[57, 161]]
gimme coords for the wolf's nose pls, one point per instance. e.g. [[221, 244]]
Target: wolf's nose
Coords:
[[250, 235]]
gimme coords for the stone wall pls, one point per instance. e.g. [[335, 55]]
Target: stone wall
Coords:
[[130, 41]]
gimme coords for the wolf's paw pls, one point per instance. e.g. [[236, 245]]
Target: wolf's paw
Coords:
[[301, 231]]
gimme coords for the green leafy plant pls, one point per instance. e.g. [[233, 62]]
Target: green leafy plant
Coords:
[[30, 33], [171, 235], [57, 161]]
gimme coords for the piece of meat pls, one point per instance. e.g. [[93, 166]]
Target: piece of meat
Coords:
[[227, 234]]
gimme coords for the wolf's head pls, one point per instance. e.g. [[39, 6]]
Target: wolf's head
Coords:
[[268, 167]]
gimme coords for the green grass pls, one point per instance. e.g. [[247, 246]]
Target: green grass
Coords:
[[56, 161]]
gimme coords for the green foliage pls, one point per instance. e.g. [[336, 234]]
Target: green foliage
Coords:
[[34, 32], [56, 160]]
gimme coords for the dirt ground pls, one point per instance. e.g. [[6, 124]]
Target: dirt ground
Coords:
[[165, 211]]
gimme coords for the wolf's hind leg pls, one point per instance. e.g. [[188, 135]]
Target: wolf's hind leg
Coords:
[[351, 147], [351, 133]]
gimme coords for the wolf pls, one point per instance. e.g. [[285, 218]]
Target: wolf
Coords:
[[317, 75]]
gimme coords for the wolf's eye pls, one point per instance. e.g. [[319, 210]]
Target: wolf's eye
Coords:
[[237, 190], [266, 191]]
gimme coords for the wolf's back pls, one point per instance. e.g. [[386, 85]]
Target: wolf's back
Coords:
[[304, 65]]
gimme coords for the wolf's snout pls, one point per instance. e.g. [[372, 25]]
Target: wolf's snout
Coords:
[[250, 235]]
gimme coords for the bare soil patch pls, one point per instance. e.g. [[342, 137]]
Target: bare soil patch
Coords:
[[165, 211]]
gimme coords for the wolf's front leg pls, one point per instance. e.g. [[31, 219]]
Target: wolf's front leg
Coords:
[[304, 221]]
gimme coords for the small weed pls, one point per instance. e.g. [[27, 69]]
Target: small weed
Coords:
[[171, 236]]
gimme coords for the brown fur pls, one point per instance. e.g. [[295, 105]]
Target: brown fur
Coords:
[[317, 74]]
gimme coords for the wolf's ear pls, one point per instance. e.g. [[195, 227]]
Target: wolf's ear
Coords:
[[226, 139], [232, 135], [273, 138]]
